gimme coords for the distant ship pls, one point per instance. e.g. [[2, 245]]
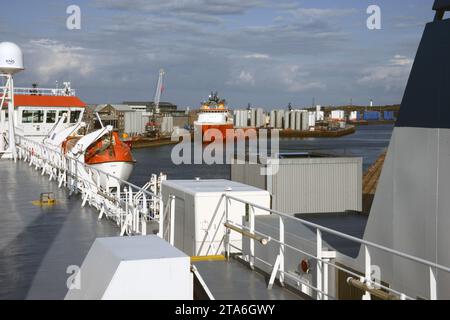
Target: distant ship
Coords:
[[213, 114]]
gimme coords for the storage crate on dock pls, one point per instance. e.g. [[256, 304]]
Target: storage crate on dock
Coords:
[[371, 115]]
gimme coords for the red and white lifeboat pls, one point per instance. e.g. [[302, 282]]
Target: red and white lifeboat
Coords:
[[111, 155]]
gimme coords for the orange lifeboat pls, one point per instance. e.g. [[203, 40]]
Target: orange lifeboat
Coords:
[[111, 155]]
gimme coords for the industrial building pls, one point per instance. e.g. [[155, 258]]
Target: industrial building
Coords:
[[112, 114], [306, 183], [149, 106]]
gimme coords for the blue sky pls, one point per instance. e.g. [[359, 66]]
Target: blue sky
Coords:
[[265, 52]]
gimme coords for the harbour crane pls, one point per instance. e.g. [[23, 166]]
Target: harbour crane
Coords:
[[159, 90], [153, 127]]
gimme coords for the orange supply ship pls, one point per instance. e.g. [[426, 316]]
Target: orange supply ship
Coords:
[[215, 122], [213, 115]]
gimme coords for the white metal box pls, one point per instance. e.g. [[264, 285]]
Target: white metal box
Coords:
[[200, 212], [133, 268]]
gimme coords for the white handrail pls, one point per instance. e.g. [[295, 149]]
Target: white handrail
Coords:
[[121, 205], [344, 236]]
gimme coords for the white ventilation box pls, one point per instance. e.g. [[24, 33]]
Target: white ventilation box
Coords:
[[200, 212], [133, 268]]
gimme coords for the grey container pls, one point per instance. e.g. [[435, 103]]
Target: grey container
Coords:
[[298, 120], [286, 120], [279, 119], [305, 121], [259, 118], [134, 122], [292, 120], [307, 183], [252, 118], [273, 119]]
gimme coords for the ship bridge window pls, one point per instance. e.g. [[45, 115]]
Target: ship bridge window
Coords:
[[32, 116], [51, 117], [38, 116], [61, 113], [74, 116], [27, 116]]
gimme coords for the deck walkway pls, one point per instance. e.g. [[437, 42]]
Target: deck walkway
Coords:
[[37, 244], [234, 281]]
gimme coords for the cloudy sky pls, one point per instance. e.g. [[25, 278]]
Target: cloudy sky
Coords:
[[266, 52]]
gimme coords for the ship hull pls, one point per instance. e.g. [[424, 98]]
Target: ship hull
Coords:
[[223, 133], [121, 170]]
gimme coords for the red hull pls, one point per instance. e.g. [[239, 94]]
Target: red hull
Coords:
[[222, 132]]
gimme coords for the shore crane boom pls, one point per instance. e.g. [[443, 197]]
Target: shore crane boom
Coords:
[[159, 89]]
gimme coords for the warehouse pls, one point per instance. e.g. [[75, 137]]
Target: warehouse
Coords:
[[307, 183], [112, 114]]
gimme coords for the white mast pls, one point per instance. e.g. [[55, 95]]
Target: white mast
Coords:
[[11, 62]]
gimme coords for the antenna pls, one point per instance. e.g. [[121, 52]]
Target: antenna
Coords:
[[11, 62], [441, 6]]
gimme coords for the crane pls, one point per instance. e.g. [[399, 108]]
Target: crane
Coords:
[[159, 90], [152, 128]]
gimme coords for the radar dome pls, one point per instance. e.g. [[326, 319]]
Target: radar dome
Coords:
[[11, 58]]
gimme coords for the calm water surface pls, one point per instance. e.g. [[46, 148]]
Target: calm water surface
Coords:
[[368, 142]]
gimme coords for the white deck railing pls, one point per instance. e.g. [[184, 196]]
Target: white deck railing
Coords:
[[324, 258], [130, 206], [45, 91]]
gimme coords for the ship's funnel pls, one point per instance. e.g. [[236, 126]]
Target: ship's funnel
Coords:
[[411, 209]]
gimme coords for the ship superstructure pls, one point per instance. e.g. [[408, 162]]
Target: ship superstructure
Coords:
[[214, 118]]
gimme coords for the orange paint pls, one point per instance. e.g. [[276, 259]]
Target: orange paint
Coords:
[[108, 149], [48, 101]]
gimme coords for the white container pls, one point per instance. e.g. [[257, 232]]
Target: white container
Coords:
[[305, 121], [292, 120], [199, 212], [279, 119], [312, 119], [286, 120], [337, 115], [298, 121], [259, 118], [320, 116], [272, 121], [244, 119], [237, 118], [252, 118], [134, 268]]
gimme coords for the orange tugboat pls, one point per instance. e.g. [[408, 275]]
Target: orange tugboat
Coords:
[[214, 119]]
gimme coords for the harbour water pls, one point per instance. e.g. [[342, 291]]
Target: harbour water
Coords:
[[368, 142]]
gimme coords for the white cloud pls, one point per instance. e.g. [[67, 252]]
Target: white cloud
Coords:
[[244, 78], [206, 7], [390, 76], [288, 77], [318, 14], [257, 56], [50, 58], [400, 60], [295, 79]]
